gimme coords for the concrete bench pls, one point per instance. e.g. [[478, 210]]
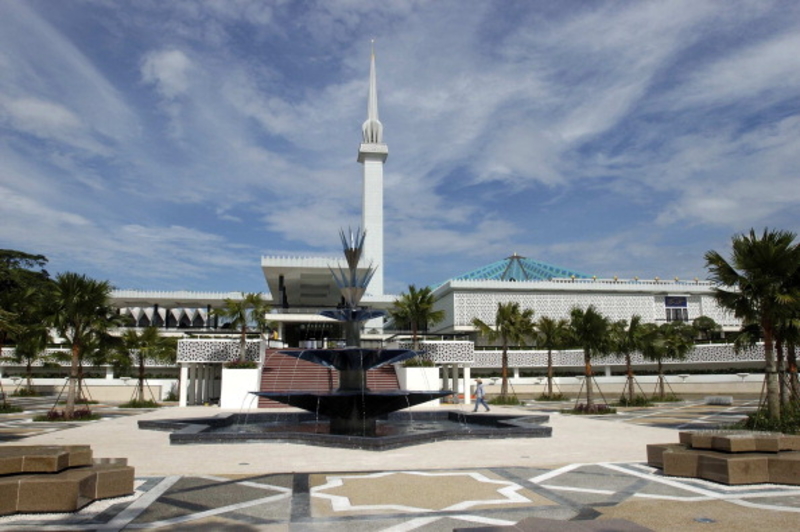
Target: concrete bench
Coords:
[[53, 478]]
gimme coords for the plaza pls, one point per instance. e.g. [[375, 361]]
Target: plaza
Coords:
[[592, 469]]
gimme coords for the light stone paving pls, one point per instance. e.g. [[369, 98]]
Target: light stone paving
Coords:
[[591, 469]]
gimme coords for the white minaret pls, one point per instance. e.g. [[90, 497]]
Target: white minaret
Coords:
[[372, 154]]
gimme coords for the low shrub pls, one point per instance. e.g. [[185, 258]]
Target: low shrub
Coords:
[[418, 362], [639, 400], [140, 404], [79, 414], [789, 422], [8, 408], [552, 397], [507, 400], [672, 398], [241, 364], [24, 392], [595, 409]]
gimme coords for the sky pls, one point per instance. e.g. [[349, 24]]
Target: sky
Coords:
[[170, 145]]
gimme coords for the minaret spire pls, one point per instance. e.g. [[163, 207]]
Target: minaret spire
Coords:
[[372, 154], [372, 129]]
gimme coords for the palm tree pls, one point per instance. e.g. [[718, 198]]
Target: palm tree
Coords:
[[31, 342], [590, 330], [671, 340], [626, 339], [511, 326], [551, 334], [248, 312], [753, 286], [136, 348], [82, 315], [414, 310]]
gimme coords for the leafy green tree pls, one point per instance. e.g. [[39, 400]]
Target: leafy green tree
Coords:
[[20, 272], [551, 334], [32, 333], [626, 340], [752, 284], [414, 311], [137, 347], [706, 327], [512, 326], [590, 330], [247, 313], [82, 314]]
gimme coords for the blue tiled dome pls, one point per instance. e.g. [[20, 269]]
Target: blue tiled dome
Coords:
[[519, 268]]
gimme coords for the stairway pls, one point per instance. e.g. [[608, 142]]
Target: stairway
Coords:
[[283, 373]]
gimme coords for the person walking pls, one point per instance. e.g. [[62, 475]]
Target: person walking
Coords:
[[479, 396]]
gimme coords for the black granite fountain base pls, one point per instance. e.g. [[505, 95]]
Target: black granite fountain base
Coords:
[[398, 429]]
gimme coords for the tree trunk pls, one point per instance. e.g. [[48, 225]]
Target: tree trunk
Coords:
[[587, 360], [629, 368], [550, 373], [773, 389], [414, 339], [794, 385], [243, 345], [504, 374], [140, 391], [69, 409], [29, 376], [783, 390], [660, 380]]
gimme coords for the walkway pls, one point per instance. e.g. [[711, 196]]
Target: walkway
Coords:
[[590, 469]]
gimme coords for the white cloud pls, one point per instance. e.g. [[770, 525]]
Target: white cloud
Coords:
[[168, 70]]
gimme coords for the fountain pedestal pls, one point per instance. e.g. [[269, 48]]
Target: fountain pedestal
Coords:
[[353, 409]]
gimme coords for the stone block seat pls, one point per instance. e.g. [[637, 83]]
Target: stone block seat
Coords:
[[58, 478], [730, 457]]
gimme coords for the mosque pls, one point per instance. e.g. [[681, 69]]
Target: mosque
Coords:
[[300, 287]]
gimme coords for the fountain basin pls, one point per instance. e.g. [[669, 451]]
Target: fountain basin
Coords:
[[395, 430]]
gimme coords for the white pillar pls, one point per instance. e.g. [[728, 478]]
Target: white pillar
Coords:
[[445, 378], [516, 373], [467, 388], [184, 380], [204, 384], [212, 371], [454, 377], [608, 371], [191, 384], [109, 373], [216, 389]]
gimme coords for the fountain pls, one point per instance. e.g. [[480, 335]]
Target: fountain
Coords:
[[353, 416], [353, 409]]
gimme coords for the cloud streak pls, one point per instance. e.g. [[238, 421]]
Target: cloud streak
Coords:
[[169, 145]]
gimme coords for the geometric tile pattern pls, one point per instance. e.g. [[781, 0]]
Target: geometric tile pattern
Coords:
[[431, 501], [527, 358]]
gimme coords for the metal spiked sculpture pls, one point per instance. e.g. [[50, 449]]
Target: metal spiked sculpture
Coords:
[[352, 285]]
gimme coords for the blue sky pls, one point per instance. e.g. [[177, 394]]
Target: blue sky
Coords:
[[169, 145]]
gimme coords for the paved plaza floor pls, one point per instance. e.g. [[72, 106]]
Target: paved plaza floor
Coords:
[[591, 470]]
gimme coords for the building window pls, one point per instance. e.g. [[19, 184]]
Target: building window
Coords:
[[676, 308]]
